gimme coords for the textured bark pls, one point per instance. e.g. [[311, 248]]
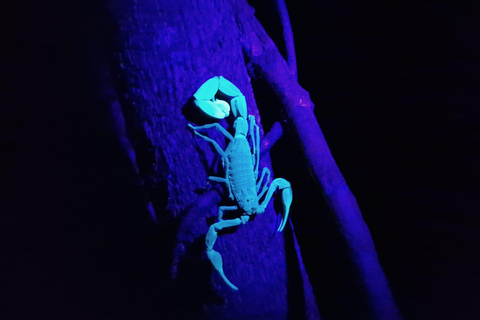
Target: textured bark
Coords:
[[76, 240], [287, 36], [269, 64], [166, 50]]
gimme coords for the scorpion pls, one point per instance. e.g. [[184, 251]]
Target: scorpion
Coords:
[[240, 163]]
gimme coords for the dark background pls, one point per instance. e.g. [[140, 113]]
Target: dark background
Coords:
[[395, 89], [395, 85]]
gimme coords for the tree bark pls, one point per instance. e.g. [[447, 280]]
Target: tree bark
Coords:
[[76, 240], [268, 63], [166, 50]]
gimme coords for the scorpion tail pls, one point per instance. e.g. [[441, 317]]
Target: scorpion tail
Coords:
[[216, 260]]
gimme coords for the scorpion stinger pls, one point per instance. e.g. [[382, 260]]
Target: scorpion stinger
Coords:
[[240, 164], [217, 108]]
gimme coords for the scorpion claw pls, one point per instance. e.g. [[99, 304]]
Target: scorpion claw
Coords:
[[216, 260], [282, 225], [287, 201], [287, 196]]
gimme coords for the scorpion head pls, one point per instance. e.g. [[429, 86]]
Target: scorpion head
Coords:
[[248, 202], [241, 126]]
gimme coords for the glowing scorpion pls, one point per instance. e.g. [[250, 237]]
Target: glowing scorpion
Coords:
[[240, 163]]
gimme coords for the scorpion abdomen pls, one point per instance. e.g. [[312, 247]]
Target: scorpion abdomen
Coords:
[[241, 176]]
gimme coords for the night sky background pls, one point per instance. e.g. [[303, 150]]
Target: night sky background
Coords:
[[395, 85]]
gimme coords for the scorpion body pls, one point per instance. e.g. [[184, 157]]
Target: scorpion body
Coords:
[[240, 174], [240, 163]]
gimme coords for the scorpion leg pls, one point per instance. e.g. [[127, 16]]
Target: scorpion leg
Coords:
[[255, 136], [213, 125], [215, 145], [287, 196], [224, 180], [219, 150], [222, 209], [212, 234], [265, 171]]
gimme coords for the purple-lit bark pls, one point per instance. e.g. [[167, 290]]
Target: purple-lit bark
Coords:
[[166, 50], [287, 36], [165, 54], [268, 62]]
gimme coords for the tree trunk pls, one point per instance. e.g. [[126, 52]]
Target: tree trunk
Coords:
[[76, 241], [166, 51]]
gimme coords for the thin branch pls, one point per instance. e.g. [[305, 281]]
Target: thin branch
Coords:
[[287, 36], [270, 65], [271, 138]]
